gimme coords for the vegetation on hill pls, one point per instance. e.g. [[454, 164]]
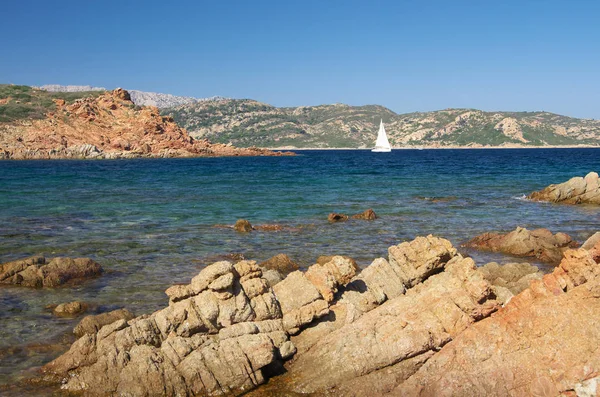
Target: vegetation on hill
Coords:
[[244, 122], [20, 102]]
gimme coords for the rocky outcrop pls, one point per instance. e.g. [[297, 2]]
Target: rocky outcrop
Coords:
[[217, 336], [425, 321], [576, 190], [509, 279], [70, 309], [92, 324], [243, 226], [281, 263], [399, 335], [511, 128], [539, 243], [107, 126], [544, 342], [367, 215], [37, 271], [335, 217]]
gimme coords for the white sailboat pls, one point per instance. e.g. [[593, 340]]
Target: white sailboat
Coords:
[[382, 144]]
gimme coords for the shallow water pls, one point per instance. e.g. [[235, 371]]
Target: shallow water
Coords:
[[151, 223]]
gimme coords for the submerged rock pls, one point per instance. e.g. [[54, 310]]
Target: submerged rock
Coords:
[[576, 190], [281, 263], [335, 217], [538, 243], [242, 225], [275, 269], [92, 323], [70, 309], [37, 271], [367, 215]]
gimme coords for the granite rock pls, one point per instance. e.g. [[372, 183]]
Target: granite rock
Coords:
[[539, 243], [576, 190], [37, 271]]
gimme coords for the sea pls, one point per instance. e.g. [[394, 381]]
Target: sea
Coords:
[[152, 223]]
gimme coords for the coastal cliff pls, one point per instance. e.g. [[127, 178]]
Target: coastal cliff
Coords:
[[36, 124]]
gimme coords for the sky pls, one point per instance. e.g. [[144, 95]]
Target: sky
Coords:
[[405, 55]]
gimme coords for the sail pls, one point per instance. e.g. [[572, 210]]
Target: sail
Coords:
[[382, 144]]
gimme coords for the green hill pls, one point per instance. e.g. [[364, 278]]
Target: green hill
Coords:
[[245, 122]]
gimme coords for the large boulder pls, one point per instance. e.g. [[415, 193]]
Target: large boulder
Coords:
[[281, 263], [37, 271], [538, 243], [576, 190], [415, 324], [416, 260], [544, 342]]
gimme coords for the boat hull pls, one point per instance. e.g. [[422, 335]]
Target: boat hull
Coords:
[[381, 150]]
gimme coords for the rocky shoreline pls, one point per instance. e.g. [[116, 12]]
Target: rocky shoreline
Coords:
[[426, 320], [395, 327]]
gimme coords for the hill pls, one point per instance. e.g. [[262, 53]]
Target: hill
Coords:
[[245, 122], [37, 124]]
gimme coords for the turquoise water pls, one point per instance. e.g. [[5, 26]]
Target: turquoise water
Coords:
[[152, 223]]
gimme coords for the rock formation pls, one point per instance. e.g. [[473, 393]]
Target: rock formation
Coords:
[[70, 309], [217, 336], [509, 279], [92, 323], [37, 271], [425, 321], [335, 217], [401, 333], [243, 225], [367, 215], [281, 263], [543, 343], [107, 126], [576, 190], [539, 243]]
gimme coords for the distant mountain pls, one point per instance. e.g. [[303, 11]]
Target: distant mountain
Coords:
[[161, 101], [141, 98], [69, 88], [245, 122]]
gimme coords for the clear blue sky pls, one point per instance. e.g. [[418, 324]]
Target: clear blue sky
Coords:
[[406, 55]]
